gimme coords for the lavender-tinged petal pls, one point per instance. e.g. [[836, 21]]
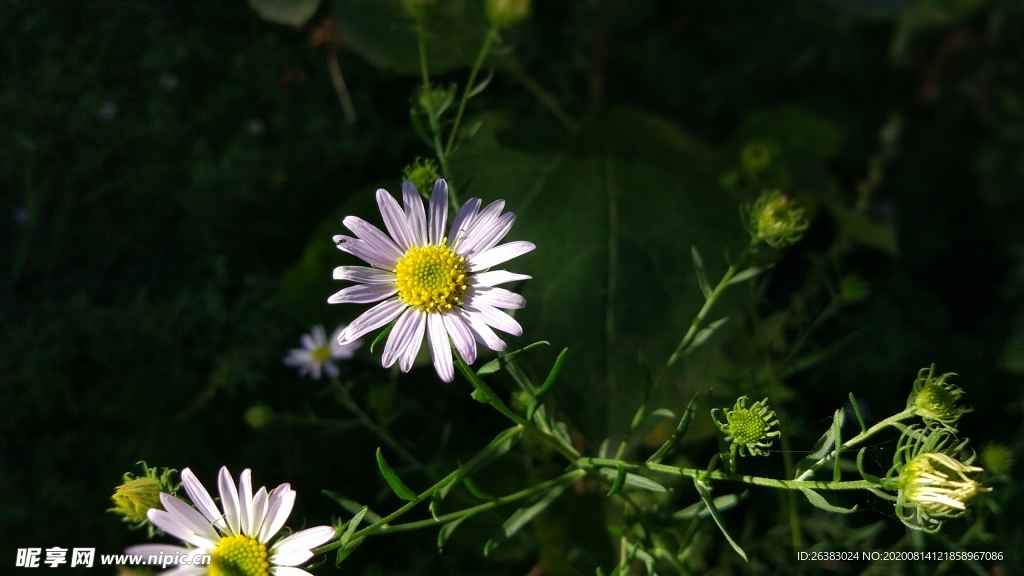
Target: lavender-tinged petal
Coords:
[[399, 337], [414, 213], [395, 220], [229, 496], [188, 517], [497, 255], [484, 219], [497, 297], [482, 332], [372, 319], [495, 318], [438, 211], [319, 337], [373, 236], [363, 275], [331, 369], [495, 277], [307, 342], [461, 336], [171, 525], [463, 220], [364, 252], [363, 294], [486, 237], [440, 348], [415, 341]]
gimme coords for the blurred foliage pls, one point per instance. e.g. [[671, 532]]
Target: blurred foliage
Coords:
[[172, 174]]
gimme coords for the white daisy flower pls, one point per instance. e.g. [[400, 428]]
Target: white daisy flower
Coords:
[[236, 539], [429, 282], [317, 352]]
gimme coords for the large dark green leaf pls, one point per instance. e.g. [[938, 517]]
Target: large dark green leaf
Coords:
[[614, 210]]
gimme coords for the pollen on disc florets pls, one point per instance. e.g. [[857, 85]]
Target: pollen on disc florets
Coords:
[[431, 278], [239, 556]]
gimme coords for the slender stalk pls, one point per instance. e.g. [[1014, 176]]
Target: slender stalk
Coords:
[[492, 35], [431, 116], [856, 440]]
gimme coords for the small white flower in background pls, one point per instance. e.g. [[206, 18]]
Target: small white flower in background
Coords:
[[317, 353], [431, 283], [237, 539]]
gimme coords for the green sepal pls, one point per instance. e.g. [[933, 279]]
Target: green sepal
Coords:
[[819, 502], [522, 517], [705, 495], [400, 489]]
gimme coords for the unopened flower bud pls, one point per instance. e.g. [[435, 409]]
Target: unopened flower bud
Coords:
[[775, 220], [756, 156], [134, 498], [506, 13], [935, 400], [422, 173]]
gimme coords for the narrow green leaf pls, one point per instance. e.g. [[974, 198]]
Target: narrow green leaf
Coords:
[[400, 489], [352, 506], [384, 334], [856, 410], [684, 424], [819, 502], [446, 532], [706, 333], [499, 362], [837, 431], [705, 495], [635, 481], [479, 396], [620, 478], [863, 473], [702, 275], [482, 85], [476, 491], [522, 517], [344, 551], [495, 449], [663, 413], [700, 510], [352, 525], [818, 451], [745, 275], [549, 383]]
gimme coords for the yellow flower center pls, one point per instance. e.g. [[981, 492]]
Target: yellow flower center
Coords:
[[321, 354], [431, 278], [239, 556], [746, 426]]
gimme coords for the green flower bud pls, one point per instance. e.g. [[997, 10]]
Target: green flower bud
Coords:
[[775, 220], [418, 8], [422, 173], [134, 498], [756, 156], [748, 429], [998, 459], [506, 13], [935, 400], [259, 416], [931, 483]]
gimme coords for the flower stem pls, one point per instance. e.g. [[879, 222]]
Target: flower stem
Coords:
[[434, 128], [492, 35], [856, 440]]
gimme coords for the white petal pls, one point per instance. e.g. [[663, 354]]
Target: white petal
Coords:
[[482, 332], [486, 237], [497, 297], [279, 507], [157, 549], [497, 255], [414, 212], [228, 494], [307, 539], [307, 341], [169, 524], [372, 319], [188, 517], [332, 369], [259, 510], [414, 343], [319, 338], [186, 571], [461, 337], [495, 277], [291, 558], [494, 317], [314, 368], [463, 220], [297, 358], [201, 498], [364, 252], [481, 222], [288, 571], [438, 211], [440, 348], [363, 275], [363, 293], [372, 236], [395, 220], [245, 517], [398, 339]]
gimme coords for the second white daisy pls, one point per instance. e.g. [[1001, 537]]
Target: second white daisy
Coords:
[[432, 284]]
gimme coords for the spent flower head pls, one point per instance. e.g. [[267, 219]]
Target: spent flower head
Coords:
[[932, 484], [317, 353], [431, 284], [236, 536], [775, 219], [935, 400], [748, 429], [138, 494]]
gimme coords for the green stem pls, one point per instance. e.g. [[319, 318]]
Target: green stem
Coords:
[[434, 128], [856, 440], [495, 401], [753, 480], [492, 35], [568, 477], [709, 303], [827, 313]]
